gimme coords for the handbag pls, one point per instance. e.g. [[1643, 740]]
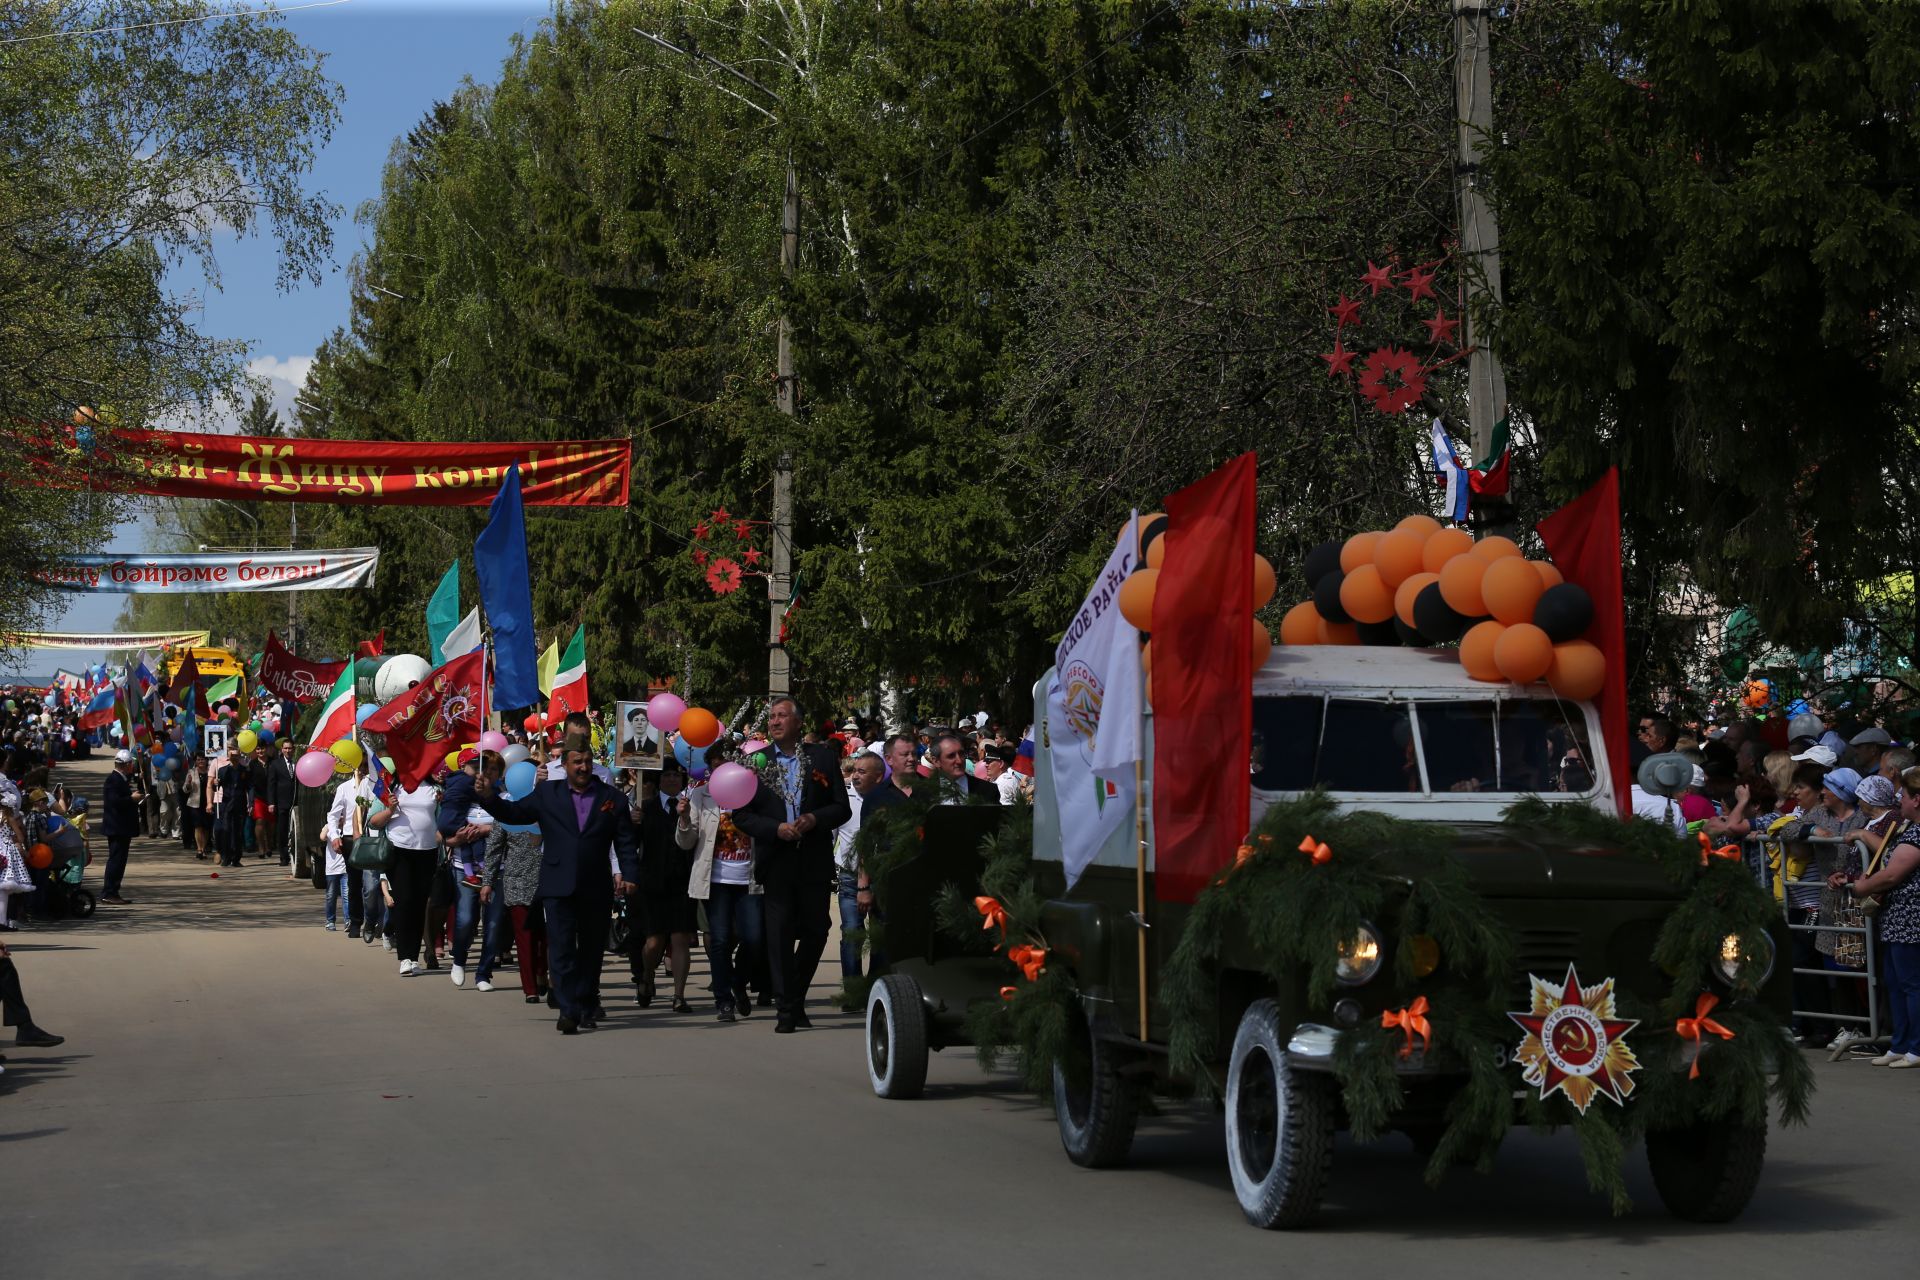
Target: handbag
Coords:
[[1872, 904], [371, 852]]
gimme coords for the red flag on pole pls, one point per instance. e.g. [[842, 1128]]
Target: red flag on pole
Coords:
[[185, 688], [1583, 539], [371, 648], [440, 713], [1203, 681]]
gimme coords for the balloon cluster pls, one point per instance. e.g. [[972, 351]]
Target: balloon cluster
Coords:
[[1423, 585], [1137, 592], [695, 729]]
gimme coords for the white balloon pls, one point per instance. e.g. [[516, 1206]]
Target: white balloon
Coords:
[[399, 674], [513, 754]]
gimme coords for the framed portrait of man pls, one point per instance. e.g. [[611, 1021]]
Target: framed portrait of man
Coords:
[[636, 744], [213, 741]]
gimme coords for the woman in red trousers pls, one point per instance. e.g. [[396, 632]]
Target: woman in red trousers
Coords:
[[513, 869]]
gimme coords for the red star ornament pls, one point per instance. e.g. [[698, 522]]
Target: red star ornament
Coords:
[[700, 531], [1440, 328], [1345, 312], [700, 559], [751, 555], [1419, 282], [723, 575], [1339, 360], [741, 528], [1377, 278], [1574, 1044], [1392, 379]]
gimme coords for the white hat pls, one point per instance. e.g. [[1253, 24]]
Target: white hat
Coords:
[[1819, 755], [123, 756], [1699, 777]]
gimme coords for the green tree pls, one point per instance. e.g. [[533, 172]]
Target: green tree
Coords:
[[123, 155]]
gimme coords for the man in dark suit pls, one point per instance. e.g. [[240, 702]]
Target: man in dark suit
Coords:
[[119, 823], [791, 820], [581, 820], [282, 790], [950, 771], [236, 806]]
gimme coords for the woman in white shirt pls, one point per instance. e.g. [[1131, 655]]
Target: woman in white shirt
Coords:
[[723, 879], [410, 829]]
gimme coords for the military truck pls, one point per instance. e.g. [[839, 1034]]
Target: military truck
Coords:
[[1403, 732]]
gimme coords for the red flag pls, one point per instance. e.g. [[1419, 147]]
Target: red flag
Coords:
[[371, 648], [1203, 681], [1583, 538], [293, 678], [440, 713], [186, 685]]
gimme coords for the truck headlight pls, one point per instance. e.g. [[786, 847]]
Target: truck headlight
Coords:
[[1726, 962], [1359, 958]]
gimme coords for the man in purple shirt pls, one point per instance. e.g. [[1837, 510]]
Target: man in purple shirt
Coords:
[[582, 820]]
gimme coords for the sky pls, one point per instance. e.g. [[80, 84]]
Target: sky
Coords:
[[394, 59]]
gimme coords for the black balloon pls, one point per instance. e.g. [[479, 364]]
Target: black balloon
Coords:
[[1564, 612], [1434, 618], [1326, 597], [1379, 633], [1148, 532], [1408, 636], [1323, 560]]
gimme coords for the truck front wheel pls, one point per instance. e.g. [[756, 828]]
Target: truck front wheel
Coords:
[[1280, 1125], [1707, 1172], [896, 1037], [1094, 1105]]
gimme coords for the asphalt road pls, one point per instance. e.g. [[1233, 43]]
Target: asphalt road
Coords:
[[242, 1094]]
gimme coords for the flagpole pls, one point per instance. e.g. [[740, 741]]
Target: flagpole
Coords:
[[1140, 820]]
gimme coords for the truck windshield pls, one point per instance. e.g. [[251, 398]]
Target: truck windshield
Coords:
[[1511, 745]]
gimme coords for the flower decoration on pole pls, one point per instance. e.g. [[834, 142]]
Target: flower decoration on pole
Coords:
[[1392, 379], [723, 550], [723, 575]]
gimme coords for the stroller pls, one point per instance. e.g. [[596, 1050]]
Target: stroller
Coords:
[[64, 893]]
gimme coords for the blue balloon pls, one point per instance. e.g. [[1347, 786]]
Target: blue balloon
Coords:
[[520, 780], [682, 751], [265, 736], [698, 772], [366, 710], [55, 822]]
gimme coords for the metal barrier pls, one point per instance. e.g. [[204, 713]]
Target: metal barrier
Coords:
[[1768, 876]]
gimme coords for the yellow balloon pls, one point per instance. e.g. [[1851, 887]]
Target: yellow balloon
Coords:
[[246, 740], [347, 755]]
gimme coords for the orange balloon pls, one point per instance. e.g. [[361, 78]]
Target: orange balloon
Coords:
[[1425, 526], [1358, 551], [700, 727], [1136, 596], [1263, 580], [1156, 552], [1511, 589], [1476, 650], [1365, 596], [1301, 625], [1444, 546], [1398, 555], [1262, 644], [1495, 548], [1403, 595], [1549, 576], [1578, 670], [1338, 632], [40, 857], [1460, 580], [1523, 653]]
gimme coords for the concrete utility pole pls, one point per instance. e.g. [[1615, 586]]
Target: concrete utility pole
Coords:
[[780, 581], [293, 542], [1479, 235], [787, 391]]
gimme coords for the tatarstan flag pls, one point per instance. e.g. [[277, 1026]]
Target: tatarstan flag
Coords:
[[336, 718], [570, 680]]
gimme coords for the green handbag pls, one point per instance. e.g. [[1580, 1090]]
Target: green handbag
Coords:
[[371, 852]]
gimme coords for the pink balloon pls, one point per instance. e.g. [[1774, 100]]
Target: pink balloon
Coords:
[[313, 769], [493, 740], [664, 711], [732, 785], [273, 725], [752, 745]]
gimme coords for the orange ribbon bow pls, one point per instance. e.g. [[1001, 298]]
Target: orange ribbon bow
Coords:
[[1320, 854], [995, 915], [1008, 993], [1708, 851], [1413, 1021], [1241, 855], [1692, 1028], [1032, 960]]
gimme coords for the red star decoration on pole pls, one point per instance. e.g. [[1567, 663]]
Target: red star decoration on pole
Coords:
[[1345, 312], [1339, 360], [1419, 282], [720, 515], [741, 528], [1392, 379], [751, 555], [700, 559], [700, 531], [1377, 278], [1440, 329], [723, 576]]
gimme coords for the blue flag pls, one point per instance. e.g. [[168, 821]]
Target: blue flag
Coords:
[[506, 593]]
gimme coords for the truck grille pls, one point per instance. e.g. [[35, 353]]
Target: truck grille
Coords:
[[1545, 952]]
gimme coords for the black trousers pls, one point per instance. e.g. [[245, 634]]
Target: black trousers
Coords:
[[233, 825], [576, 946], [283, 833], [116, 865], [13, 1005], [411, 878], [797, 923]]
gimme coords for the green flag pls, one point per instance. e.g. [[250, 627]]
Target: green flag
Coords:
[[228, 688], [443, 613]]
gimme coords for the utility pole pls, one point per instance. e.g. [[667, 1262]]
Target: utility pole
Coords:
[[293, 540], [780, 581], [1479, 234], [787, 388]]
